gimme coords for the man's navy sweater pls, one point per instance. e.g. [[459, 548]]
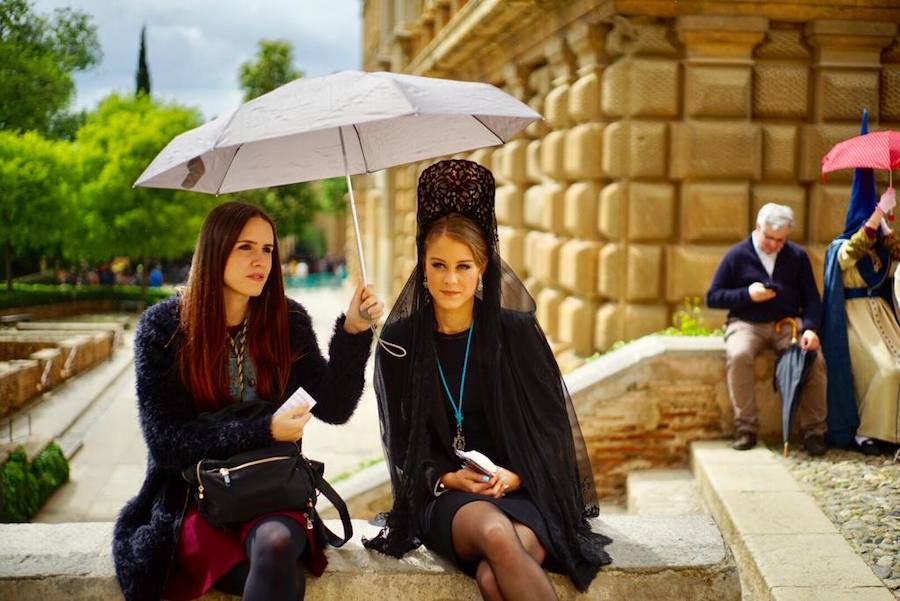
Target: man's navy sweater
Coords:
[[792, 280]]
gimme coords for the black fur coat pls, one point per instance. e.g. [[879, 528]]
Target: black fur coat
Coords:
[[147, 529]]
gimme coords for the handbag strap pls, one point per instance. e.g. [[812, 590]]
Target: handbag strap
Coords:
[[338, 503]]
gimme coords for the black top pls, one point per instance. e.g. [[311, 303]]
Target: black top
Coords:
[[796, 294], [451, 350]]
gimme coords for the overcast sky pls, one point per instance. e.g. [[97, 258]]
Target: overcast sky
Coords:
[[194, 47]]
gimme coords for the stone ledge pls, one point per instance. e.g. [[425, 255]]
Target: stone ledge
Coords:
[[785, 547], [655, 558]]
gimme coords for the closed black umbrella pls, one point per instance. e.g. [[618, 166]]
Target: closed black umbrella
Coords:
[[790, 373]]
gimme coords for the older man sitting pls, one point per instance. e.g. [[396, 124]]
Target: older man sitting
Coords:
[[761, 280]]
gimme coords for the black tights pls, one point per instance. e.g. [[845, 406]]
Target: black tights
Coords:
[[273, 546], [509, 553]]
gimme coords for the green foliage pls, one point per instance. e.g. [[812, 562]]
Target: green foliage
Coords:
[[116, 144], [332, 194], [38, 55], [27, 295], [272, 67], [143, 73], [25, 487], [38, 178], [688, 321]]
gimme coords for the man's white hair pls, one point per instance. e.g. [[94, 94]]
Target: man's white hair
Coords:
[[775, 216]]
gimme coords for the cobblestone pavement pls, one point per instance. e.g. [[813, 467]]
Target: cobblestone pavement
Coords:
[[861, 495]]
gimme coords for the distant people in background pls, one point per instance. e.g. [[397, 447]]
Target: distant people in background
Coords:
[[302, 269], [155, 279], [761, 280]]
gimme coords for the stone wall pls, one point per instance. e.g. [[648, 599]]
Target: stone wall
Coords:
[[667, 125]]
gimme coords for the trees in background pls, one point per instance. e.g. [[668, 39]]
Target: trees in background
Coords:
[[38, 55]]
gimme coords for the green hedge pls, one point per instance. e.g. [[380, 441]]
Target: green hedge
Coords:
[[24, 487], [25, 295]]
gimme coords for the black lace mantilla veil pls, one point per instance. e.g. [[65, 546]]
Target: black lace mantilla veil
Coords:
[[531, 411]]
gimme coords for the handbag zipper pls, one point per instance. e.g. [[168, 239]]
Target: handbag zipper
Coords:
[[225, 472]]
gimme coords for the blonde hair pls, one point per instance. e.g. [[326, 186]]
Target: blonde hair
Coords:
[[462, 229]]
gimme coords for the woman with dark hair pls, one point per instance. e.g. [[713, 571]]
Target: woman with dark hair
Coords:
[[479, 376], [232, 336]]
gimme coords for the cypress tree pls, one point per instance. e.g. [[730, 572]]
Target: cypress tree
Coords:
[[143, 74]]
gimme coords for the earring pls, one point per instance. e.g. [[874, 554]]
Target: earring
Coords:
[[480, 288]]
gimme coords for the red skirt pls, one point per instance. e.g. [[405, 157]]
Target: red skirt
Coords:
[[205, 553]]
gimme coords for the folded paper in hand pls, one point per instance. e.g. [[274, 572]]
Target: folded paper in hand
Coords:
[[298, 399], [478, 462]]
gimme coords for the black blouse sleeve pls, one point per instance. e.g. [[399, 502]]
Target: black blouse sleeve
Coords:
[[336, 383], [175, 438]]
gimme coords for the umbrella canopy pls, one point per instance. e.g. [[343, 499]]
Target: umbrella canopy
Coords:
[[790, 373], [347, 123], [877, 150], [342, 124]]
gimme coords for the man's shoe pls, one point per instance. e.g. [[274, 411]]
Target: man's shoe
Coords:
[[871, 447], [744, 441], [815, 445]]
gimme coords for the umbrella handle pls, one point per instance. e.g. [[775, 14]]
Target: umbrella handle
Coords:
[[787, 321]]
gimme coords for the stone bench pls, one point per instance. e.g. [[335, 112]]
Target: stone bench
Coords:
[[117, 327], [89, 347], [658, 558]]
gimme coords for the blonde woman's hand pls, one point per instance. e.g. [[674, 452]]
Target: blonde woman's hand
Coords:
[[504, 481], [288, 426], [364, 302], [466, 480]]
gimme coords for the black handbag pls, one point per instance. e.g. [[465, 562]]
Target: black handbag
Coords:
[[269, 479]]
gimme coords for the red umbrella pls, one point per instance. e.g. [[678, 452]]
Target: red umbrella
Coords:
[[877, 150]]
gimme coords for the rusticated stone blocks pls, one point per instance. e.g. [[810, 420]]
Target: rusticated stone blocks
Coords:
[[717, 91], [581, 202], [584, 99], [512, 247], [510, 206], [890, 93], [634, 149], [689, 270], [552, 154], [556, 107], [640, 88], [716, 150], [641, 320], [582, 151], [513, 162], [609, 326], [609, 217], [781, 90], [545, 207], [651, 211], [783, 194], [576, 320], [532, 248], [533, 168], [815, 142], [578, 267], [611, 271], [547, 259], [779, 152], [715, 212], [404, 200], [827, 211], [548, 301], [644, 268], [841, 94]]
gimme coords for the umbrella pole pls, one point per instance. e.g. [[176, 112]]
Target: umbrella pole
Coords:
[[359, 248], [786, 443]]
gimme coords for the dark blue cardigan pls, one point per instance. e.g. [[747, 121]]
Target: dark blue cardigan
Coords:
[[147, 529], [792, 280]]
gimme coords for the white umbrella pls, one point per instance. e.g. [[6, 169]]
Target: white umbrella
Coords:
[[342, 124]]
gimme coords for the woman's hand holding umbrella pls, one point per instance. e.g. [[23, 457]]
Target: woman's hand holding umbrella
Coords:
[[809, 341], [365, 309]]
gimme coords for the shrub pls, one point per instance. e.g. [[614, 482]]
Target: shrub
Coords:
[[25, 487]]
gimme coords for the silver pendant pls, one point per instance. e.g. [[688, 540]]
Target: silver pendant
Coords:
[[459, 441]]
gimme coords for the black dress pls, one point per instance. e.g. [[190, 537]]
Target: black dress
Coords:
[[438, 516]]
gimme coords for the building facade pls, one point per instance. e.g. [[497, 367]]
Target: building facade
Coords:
[[667, 125]]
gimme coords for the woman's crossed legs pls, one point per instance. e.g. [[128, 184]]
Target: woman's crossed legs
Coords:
[[509, 553]]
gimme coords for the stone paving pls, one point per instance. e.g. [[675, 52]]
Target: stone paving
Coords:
[[861, 495]]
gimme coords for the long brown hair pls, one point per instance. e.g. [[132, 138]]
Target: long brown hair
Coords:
[[203, 355]]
